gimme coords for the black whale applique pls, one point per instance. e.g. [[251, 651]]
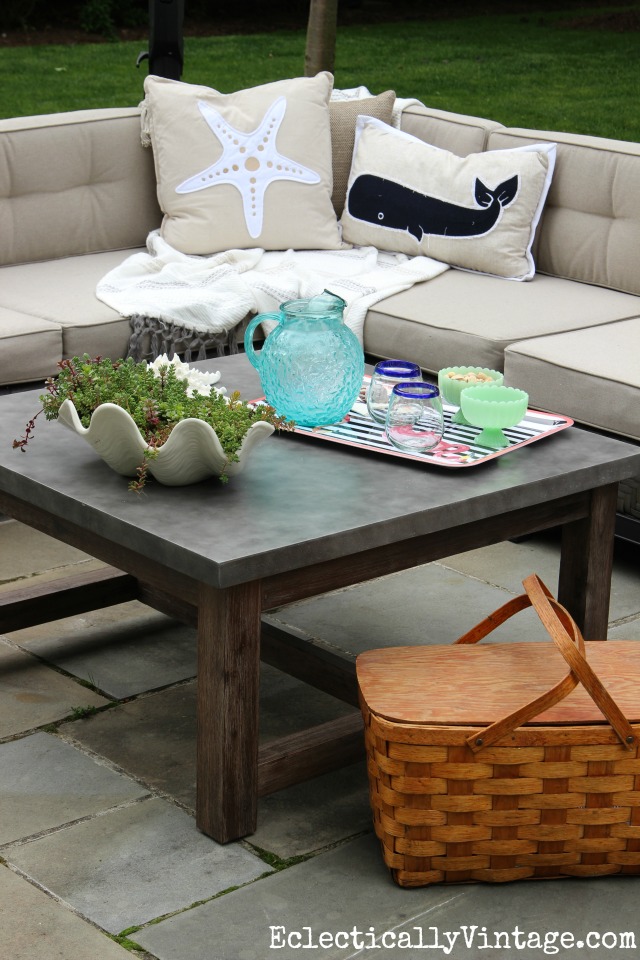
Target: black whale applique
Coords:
[[390, 204]]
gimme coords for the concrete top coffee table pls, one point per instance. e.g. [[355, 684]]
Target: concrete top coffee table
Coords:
[[302, 519]]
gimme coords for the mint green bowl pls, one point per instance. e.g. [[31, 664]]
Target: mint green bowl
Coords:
[[494, 408], [451, 389]]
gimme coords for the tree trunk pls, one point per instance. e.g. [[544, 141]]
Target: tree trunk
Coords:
[[320, 53]]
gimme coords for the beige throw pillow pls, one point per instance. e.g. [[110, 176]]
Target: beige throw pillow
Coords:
[[478, 212], [343, 115], [245, 169]]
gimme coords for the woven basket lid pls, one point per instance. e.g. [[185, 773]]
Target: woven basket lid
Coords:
[[478, 684]]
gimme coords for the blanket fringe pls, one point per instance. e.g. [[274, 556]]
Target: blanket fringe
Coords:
[[145, 123], [151, 337]]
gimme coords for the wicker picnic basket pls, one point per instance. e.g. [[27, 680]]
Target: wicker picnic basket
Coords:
[[467, 784]]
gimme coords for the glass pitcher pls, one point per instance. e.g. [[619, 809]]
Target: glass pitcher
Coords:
[[311, 365]]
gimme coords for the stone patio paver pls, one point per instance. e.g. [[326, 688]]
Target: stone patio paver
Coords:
[[33, 695], [505, 564], [153, 739], [428, 604], [25, 552], [134, 864], [626, 631], [46, 783], [36, 927], [122, 650], [349, 888], [315, 814]]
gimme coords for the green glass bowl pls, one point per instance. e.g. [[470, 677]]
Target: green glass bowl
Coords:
[[494, 408], [451, 389]]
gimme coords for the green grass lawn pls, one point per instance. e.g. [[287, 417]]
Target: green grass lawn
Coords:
[[531, 71]]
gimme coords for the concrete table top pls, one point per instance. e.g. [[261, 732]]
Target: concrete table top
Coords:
[[297, 502]]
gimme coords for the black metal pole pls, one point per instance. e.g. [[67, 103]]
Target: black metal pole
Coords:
[[166, 45]]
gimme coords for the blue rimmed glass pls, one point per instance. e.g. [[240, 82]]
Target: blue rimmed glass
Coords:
[[415, 422], [386, 375]]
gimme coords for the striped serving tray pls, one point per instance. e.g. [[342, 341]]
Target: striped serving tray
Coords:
[[458, 447]]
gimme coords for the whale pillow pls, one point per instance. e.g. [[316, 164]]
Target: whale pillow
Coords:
[[478, 212], [246, 169]]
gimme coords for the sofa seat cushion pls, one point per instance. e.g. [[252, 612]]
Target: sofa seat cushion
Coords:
[[62, 292], [464, 318], [591, 375], [30, 347]]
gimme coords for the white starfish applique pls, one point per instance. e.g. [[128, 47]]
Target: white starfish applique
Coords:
[[249, 161]]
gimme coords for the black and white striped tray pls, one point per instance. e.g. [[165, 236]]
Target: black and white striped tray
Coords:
[[458, 447]]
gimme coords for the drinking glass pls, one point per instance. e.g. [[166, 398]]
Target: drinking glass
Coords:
[[386, 375], [415, 422]]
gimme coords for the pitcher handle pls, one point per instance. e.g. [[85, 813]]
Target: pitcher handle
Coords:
[[248, 336]]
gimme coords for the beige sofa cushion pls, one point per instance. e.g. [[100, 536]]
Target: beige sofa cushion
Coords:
[[30, 348], [246, 169], [74, 183], [592, 375], [461, 318], [451, 131], [62, 292], [590, 227]]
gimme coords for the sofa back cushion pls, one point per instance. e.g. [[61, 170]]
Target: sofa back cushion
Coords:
[[74, 183], [456, 132], [590, 227]]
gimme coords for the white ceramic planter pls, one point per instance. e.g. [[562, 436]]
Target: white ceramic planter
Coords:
[[192, 452]]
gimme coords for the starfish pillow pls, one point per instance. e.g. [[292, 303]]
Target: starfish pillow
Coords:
[[245, 169]]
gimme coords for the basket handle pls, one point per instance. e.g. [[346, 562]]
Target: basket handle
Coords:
[[570, 642]]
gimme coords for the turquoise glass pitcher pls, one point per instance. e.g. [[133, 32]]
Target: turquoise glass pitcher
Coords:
[[311, 365]]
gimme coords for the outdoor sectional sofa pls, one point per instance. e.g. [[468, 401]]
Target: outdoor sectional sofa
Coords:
[[78, 195]]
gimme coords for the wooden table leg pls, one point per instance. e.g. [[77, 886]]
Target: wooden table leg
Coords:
[[586, 564], [227, 710]]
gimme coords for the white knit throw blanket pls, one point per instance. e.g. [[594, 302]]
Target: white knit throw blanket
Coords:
[[208, 295]]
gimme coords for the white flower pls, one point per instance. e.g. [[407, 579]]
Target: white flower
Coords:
[[198, 381]]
